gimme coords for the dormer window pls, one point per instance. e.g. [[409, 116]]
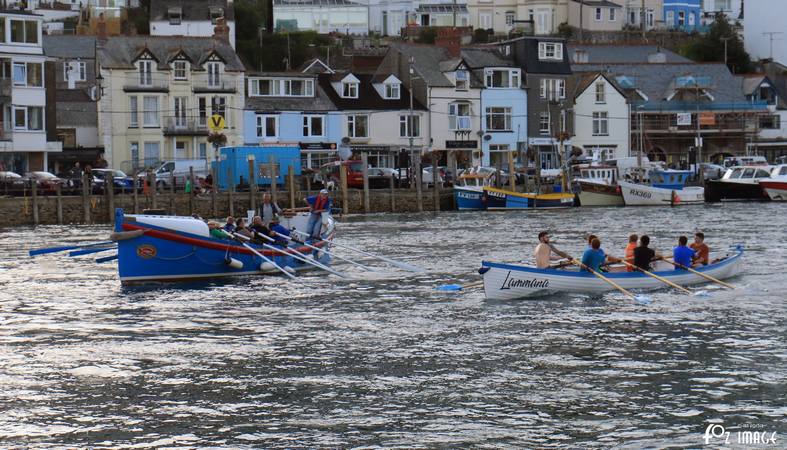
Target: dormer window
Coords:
[[392, 91], [550, 50], [215, 14], [179, 71], [502, 78], [461, 80], [214, 74], [299, 88], [349, 89], [175, 15], [145, 72]]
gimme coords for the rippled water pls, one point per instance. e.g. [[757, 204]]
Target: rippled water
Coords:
[[387, 361]]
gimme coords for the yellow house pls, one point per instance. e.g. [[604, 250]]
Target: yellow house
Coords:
[[157, 94]]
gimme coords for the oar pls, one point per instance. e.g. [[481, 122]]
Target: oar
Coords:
[[459, 287], [299, 256], [44, 251], [399, 264], [653, 275], [90, 250], [696, 272], [106, 259], [602, 277], [332, 255], [253, 250]]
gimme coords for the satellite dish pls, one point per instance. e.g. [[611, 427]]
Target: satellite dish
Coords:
[[345, 152]]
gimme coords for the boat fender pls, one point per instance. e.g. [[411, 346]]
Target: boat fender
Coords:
[[267, 267], [234, 263], [483, 270], [125, 235]]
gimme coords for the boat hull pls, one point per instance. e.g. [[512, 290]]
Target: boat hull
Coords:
[[499, 199], [597, 194], [508, 281], [469, 198], [776, 190], [718, 191], [641, 195]]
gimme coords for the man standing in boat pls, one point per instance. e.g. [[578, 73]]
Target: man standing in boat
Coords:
[[268, 209], [318, 204], [543, 251]]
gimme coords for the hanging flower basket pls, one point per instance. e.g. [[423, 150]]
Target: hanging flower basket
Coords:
[[217, 139]]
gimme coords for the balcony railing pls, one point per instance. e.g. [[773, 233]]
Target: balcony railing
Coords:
[[155, 85], [185, 126], [225, 86]]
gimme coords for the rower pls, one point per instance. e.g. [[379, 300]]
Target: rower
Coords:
[[630, 251], [590, 241], [277, 229], [230, 225], [682, 254], [543, 252], [594, 257], [257, 227], [643, 255], [701, 250]]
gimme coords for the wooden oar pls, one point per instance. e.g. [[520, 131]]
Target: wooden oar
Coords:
[[332, 255], [459, 287], [399, 264], [253, 250], [106, 259], [89, 251], [602, 277], [295, 254], [696, 272], [44, 251], [653, 275]]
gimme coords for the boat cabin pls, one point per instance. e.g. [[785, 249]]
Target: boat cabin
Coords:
[[669, 179], [746, 174], [779, 171], [600, 174], [477, 177]]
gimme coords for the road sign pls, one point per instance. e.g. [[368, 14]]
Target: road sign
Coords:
[[216, 123]]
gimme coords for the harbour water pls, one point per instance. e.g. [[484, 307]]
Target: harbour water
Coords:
[[383, 359]]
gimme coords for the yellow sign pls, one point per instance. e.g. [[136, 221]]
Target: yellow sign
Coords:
[[216, 123]]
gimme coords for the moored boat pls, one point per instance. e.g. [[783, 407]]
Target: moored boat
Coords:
[[738, 184], [510, 281], [498, 199], [775, 187], [667, 187], [598, 186], [469, 190]]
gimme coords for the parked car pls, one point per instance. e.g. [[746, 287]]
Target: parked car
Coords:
[[179, 169], [712, 171], [47, 182], [380, 178], [122, 182], [329, 173], [11, 183]]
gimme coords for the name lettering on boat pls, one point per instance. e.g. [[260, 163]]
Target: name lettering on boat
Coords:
[[509, 283], [470, 195], [643, 194], [146, 251], [496, 194]]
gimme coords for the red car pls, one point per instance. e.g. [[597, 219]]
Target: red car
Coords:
[[47, 182], [330, 172]]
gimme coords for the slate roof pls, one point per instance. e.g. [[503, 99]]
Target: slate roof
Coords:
[[657, 84], [750, 83], [120, 52], [485, 57], [615, 53], [70, 46], [368, 98], [599, 3], [192, 10], [426, 62], [319, 103], [525, 52], [74, 108], [584, 80]]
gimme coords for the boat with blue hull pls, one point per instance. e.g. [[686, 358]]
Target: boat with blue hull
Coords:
[[469, 189], [497, 199], [168, 248]]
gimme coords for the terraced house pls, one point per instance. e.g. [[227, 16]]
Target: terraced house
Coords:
[[158, 93]]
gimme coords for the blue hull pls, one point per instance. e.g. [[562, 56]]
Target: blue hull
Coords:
[[468, 199], [500, 199]]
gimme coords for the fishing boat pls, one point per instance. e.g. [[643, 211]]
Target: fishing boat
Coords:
[[499, 199], [775, 187], [154, 248], [469, 189], [598, 186], [738, 184], [510, 281], [667, 187]]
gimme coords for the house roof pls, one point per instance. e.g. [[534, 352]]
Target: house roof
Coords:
[[191, 10], [750, 82], [445, 8], [74, 108], [587, 79], [426, 61], [617, 53], [485, 57], [599, 3], [120, 52], [368, 97], [319, 103], [70, 46]]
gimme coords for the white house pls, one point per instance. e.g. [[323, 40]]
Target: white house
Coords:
[[322, 16], [730, 8], [23, 143], [196, 18], [602, 125]]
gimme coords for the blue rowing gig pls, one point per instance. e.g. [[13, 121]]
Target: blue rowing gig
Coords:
[[511, 281]]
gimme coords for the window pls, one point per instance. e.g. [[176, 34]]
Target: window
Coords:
[[350, 90], [599, 15], [723, 5], [392, 91], [550, 50], [770, 122], [266, 87], [612, 14], [175, 16], [502, 78], [600, 124], [691, 19], [312, 126], [180, 112], [601, 92], [214, 74], [299, 88], [133, 107], [650, 18], [267, 126], [152, 153], [485, 20], [681, 18], [498, 154], [498, 119], [461, 80], [28, 118], [28, 74], [543, 123], [510, 17], [150, 116], [76, 69], [358, 126], [203, 150], [553, 88], [2, 29], [134, 150], [20, 74], [218, 105], [203, 111], [409, 126], [670, 18], [24, 31], [459, 116], [179, 69], [146, 73], [531, 16]]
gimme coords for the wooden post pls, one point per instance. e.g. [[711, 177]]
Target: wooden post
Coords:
[[435, 180], [252, 186], [134, 192], [365, 171], [274, 175], [511, 174], [152, 189], [34, 195], [109, 184], [291, 176], [393, 193], [172, 194], [343, 182], [308, 185], [86, 197], [418, 184], [191, 191], [214, 188], [231, 182], [59, 192]]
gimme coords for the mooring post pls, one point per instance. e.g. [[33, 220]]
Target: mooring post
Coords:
[[435, 181], [86, 197], [252, 185], [59, 192], [274, 176], [152, 188], [34, 196], [291, 182], [393, 193], [418, 184], [172, 194], [365, 171], [231, 182], [134, 192], [343, 183], [109, 184], [214, 188], [511, 174], [191, 190]]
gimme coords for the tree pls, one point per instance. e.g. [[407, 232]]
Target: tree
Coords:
[[710, 46]]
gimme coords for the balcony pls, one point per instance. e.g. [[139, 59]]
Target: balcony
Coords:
[[213, 87], [154, 86], [185, 126], [6, 85]]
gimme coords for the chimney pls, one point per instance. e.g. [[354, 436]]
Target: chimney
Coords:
[[450, 39], [221, 31], [101, 28]]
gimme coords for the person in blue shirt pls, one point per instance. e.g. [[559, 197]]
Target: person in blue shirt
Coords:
[[594, 257], [318, 204], [277, 227], [682, 254]]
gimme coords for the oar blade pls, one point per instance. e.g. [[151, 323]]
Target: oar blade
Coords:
[[449, 288], [106, 259], [44, 251], [90, 251]]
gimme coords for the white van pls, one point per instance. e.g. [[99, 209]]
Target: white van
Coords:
[[180, 168]]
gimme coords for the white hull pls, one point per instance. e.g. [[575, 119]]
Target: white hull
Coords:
[[508, 281], [641, 195], [775, 189], [589, 198], [776, 194]]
